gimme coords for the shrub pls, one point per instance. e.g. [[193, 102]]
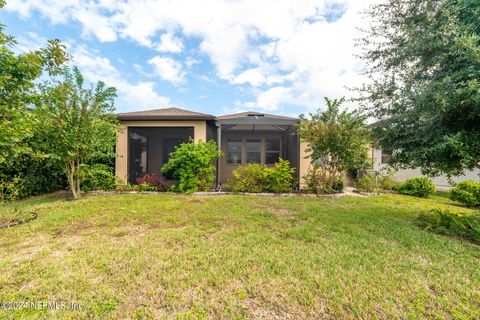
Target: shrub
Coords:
[[451, 223], [279, 178], [467, 192], [256, 178], [146, 187], [419, 187], [10, 190], [317, 180], [368, 183], [191, 164], [385, 180], [122, 186], [36, 175], [247, 178], [155, 180], [96, 177]]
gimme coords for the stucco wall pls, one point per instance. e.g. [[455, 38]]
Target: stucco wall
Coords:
[[121, 149], [304, 162], [441, 181]]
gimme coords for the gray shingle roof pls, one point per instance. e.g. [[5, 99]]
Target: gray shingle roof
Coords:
[[165, 114], [254, 114]]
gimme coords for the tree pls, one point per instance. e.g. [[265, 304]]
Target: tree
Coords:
[[423, 61], [337, 140], [18, 73], [192, 165], [78, 121]]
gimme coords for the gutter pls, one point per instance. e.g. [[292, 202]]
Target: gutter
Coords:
[[219, 145]]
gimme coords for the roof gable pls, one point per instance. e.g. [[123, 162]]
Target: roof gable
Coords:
[[165, 114]]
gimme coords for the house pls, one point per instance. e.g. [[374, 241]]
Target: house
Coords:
[[148, 137], [381, 157]]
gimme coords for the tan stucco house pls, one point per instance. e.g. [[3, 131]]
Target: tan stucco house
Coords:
[[148, 137]]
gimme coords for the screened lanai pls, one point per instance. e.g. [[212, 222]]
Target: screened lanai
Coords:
[[254, 137]]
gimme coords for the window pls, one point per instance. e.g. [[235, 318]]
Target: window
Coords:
[[272, 151], [253, 150], [234, 151], [386, 156]]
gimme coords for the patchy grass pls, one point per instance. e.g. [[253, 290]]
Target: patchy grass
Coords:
[[164, 256]]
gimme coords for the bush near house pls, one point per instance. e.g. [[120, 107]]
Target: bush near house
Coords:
[[257, 178], [247, 178], [156, 180], [466, 192], [422, 187], [317, 180], [376, 183], [444, 221], [279, 178], [96, 177], [191, 164], [367, 183]]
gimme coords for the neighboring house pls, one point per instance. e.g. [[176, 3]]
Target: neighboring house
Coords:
[[381, 157], [148, 137]]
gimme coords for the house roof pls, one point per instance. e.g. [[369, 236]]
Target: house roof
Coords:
[[255, 119], [254, 114], [165, 114]]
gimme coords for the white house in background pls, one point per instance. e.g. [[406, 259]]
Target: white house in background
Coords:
[[381, 158]]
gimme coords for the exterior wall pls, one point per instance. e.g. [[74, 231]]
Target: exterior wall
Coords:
[[121, 160], [304, 160], [403, 174]]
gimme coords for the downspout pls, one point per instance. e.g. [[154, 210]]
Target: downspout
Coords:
[[219, 145]]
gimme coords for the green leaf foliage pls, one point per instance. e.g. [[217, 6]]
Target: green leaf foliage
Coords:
[[22, 157], [96, 177], [466, 192], [78, 122], [192, 165], [423, 86], [337, 140], [279, 178], [447, 222], [254, 178], [422, 187]]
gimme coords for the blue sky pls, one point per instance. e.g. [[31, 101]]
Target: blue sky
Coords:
[[214, 56]]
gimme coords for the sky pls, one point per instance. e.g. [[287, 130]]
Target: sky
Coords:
[[211, 56]]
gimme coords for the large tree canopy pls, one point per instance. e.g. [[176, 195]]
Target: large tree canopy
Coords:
[[424, 82]]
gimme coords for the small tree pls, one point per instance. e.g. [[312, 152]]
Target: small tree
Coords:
[[192, 165], [79, 123], [336, 139]]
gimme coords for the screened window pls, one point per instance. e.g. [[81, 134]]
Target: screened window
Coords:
[[272, 151], [386, 156], [253, 150], [234, 151]]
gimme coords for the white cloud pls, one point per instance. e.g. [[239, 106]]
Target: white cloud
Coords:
[[168, 69], [271, 99], [131, 96], [169, 43], [292, 50]]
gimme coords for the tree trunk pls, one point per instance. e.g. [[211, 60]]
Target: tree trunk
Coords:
[[78, 179], [72, 178]]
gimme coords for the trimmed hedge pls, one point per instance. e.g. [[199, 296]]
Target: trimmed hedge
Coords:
[[422, 187], [467, 193]]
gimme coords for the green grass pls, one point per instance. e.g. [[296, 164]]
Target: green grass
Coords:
[[164, 256]]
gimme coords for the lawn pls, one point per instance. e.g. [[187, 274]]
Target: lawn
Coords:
[[166, 256]]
